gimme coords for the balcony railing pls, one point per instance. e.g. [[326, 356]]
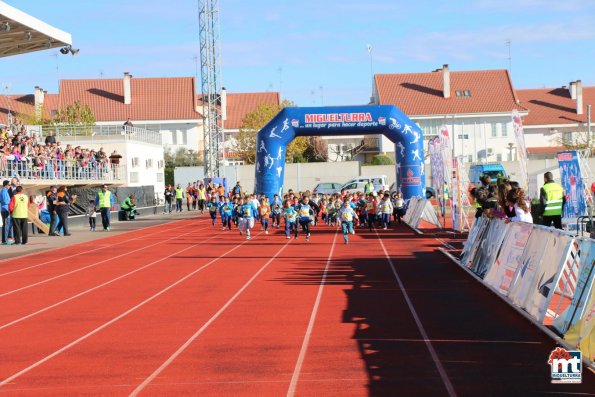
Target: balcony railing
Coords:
[[107, 131], [62, 170]]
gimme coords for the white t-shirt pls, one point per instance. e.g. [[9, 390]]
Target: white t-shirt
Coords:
[[521, 215]]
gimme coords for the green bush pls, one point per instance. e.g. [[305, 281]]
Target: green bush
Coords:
[[382, 159]]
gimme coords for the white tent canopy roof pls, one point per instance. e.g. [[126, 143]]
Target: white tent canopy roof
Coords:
[[21, 33]]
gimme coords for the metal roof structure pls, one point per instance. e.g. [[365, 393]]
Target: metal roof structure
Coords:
[[21, 33]]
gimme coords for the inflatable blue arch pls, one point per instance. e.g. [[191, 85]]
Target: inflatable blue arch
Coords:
[[272, 141]]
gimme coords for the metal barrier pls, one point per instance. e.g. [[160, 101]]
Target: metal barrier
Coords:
[[70, 170], [113, 131]]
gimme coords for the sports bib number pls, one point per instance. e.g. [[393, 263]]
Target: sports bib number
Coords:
[[347, 217], [370, 206], [304, 212], [247, 212]]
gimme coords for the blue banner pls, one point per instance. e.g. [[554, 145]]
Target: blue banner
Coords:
[[572, 182]]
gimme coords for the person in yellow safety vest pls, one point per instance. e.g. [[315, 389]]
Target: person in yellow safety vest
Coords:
[[104, 200], [369, 187], [19, 205], [179, 197], [552, 201]]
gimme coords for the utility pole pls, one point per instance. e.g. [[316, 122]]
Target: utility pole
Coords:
[[508, 43], [369, 47], [280, 70]]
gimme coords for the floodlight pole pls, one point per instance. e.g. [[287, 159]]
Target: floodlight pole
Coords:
[[210, 66]]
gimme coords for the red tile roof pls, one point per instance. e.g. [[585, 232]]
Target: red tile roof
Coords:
[[419, 94], [545, 149], [554, 106], [240, 104], [15, 104], [167, 98]]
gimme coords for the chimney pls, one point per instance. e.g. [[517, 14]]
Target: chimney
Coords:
[[223, 104], [572, 90], [127, 89], [446, 81], [579, 97], [38, 101]]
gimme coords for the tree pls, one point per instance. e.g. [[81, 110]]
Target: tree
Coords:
[[382, 159], [245, 144], [317, 150], [180, 158]]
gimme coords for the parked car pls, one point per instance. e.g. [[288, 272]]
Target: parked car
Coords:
[[353, 187], [494, 170], [327, 188], [380, 181]]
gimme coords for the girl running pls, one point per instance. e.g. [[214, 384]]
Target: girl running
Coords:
[[276, 209], [305, 213], [346, 214], [386, 210], [371, 211], [265, 213], [290, 216]]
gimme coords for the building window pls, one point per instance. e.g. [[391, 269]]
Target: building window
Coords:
[[504, 128], [499, 157], [458, 93], [160, 164], [134, 177], [467, 93], [160, 177], [567, 138], [149, 163], [135, 161], [494, 130]]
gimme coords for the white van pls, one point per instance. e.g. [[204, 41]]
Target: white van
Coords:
[[380, 181]]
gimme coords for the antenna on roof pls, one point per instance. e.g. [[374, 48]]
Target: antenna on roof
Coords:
[[508, 43]]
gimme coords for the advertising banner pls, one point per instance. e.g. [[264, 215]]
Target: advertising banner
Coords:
[[521, 287], [482, 229], [583, 291], [473, 237], [517, 126], [572, 182], [501, 273], [548, 273], [489, 247]]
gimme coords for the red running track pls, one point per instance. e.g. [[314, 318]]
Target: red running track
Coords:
[[189, 310]]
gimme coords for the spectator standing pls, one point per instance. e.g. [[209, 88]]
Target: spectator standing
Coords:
[[237, 189], [52, 199], [522, 209], [63, 207], [189, 195], [104, 200], [179, 197], [168, 194], [4, 207], [50, 139], [19, 208], [552, 201]]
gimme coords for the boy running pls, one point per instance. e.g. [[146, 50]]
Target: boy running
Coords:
[[248, 215], [226, 210], [277, 208], [386, 210], [213, 207]]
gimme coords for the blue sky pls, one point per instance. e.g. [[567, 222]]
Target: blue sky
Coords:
[[315, 51]]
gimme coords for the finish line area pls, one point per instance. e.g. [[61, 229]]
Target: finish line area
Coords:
[[187, 309]]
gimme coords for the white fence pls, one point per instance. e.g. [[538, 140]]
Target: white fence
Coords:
[[64, 170]]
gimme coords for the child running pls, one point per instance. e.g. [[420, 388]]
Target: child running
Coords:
[[226, 210], [276, 209], [265, 214], [290, 216], [213, 207], [346, 214], [399, 207], [248, 215], [386, 210], [92, 214], [305, 213]]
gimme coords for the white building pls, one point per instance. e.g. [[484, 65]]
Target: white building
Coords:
[[476, 106], [557, 118]]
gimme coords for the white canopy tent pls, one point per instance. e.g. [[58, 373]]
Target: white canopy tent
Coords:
[[21, 33]]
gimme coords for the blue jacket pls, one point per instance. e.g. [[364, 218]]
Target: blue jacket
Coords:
[[248, 211], [4, 199], [227, 211]]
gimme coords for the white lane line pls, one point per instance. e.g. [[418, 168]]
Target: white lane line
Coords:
[[450, 341], [81, 252], [184, 346], [300, 361], [45, 309], [122, 315], [449, 388], [92, 265]]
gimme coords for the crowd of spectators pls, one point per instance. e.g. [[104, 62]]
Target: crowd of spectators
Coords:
[[23, 154], [504, 199]]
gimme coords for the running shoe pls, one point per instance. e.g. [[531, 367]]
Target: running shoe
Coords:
[[266, 232]]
